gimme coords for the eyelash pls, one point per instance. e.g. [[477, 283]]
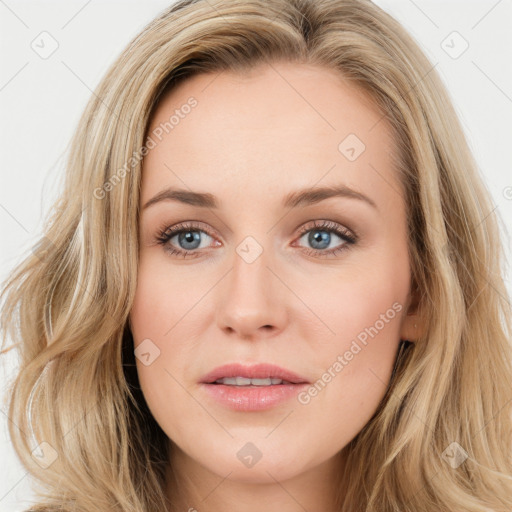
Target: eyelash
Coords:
[[164, 236]]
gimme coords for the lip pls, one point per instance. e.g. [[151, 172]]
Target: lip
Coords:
[[256, 398], [255, 371]]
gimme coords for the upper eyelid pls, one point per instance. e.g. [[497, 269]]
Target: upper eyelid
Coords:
[[326, 225]]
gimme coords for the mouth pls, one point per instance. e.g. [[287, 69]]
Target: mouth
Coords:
[[259, 375], [252, 388], [250, 383]]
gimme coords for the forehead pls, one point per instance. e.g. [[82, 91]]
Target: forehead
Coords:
[[276, 126]]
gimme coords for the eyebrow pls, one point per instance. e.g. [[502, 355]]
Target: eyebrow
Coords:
[[303, 197]]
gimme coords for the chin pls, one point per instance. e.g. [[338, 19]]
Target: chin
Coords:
[[260, 461], [263, 472]]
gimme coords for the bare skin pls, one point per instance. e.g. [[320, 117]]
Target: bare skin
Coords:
[[250, 141]]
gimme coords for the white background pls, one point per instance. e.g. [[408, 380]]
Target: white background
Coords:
[[41, 100]]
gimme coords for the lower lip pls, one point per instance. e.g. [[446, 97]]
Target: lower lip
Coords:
[[257, 398]]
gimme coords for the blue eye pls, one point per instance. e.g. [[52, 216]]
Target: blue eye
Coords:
[[319, 236], [188, 239]]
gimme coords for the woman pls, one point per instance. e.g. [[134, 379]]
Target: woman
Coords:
[[271, 281]]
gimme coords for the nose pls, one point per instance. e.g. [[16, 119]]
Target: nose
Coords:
[[252, 300]]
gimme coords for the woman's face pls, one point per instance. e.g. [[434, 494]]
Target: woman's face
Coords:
[[266, 271]]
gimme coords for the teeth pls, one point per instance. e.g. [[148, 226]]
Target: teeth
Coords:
[[243, 381]]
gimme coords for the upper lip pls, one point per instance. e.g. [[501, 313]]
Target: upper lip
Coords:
[[253, 371]]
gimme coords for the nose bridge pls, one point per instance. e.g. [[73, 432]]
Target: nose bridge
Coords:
[[250, 279], [250, 297]]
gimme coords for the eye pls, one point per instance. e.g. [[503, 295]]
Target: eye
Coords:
[[319, 236], [188, 238]]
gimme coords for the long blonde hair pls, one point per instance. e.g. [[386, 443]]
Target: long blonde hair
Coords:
[[66, 305]]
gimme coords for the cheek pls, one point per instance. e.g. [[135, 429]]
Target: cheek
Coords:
[[159, 321], [358, 300], [355, 364], [357, 352], [162, 297]]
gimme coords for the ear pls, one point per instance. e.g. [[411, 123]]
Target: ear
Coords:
[[413, 322]]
